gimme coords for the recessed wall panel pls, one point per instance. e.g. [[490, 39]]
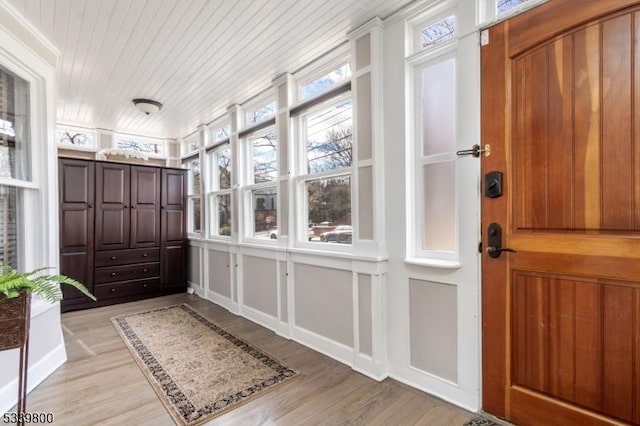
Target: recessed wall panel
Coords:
[[324, 302], [433, 328], [259, 285], [219, 279], [365, 319]]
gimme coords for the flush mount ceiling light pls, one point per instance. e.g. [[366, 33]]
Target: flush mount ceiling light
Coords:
[[147, 105]]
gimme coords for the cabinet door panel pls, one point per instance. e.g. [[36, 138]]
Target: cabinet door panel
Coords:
[[113, 210], [174, 226], [76, 195], [173, 263], [145, 207]]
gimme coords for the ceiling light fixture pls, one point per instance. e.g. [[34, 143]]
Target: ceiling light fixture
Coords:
[[147, 105]]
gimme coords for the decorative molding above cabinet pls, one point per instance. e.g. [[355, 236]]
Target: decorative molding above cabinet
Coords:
[[122, 230]]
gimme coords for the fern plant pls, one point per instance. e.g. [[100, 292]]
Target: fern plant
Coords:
[[14, 282]]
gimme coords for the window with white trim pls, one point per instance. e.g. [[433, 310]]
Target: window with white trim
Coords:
[[260, 191], [326, 135], [333, 76], [15, 163], [259, 111], [190, 145], [504, 6], [148, 146], [434, 212], [75, 137], [194, 207], [219, 191]]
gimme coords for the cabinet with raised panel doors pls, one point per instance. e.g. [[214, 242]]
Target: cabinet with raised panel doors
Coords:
[[134, 239]]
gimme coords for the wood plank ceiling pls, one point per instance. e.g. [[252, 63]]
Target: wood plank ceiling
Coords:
[[195, 56]]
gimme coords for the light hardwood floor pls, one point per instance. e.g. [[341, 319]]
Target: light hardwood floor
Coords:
[[101, 383]]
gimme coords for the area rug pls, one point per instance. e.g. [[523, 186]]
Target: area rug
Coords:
[[198, 370], [481, 421]]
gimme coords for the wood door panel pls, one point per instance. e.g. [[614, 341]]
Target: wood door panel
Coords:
[[78, 266], [76, 222], [561, 315], [556, 340], [145, 207], [174, 189], [76, 234], [146, 231], [559, 185], [616, 144], [112, 206], [75, 180]]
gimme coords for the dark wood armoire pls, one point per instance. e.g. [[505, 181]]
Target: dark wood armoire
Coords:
[[122, 230]]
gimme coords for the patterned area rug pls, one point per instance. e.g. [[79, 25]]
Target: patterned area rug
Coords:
[[481, 421], [198, 370]]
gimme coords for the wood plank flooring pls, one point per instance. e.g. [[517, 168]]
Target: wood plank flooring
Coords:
[[101, 383]]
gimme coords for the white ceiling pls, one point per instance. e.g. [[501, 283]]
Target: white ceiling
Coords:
[[195, 56]]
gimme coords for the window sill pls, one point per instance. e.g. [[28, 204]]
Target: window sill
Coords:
[[433, 263]]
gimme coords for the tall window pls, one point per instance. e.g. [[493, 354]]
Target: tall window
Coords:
[[327, 135], [435, 207], [194, 191], [15, 159], [219, 191], [261, 193]]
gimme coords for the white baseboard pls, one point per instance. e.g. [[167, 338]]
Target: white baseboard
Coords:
[[38, 372]]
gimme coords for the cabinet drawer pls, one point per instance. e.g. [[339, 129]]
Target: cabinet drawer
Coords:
[[125, 288], [128, 272], [125, 257]]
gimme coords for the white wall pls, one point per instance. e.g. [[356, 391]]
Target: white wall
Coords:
[[25, 52]]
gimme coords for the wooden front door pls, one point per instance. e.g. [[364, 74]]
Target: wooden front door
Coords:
[[561, 315]]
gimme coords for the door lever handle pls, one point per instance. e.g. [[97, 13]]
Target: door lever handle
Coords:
[[495, 251]]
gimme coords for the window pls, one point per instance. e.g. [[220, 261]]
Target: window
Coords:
[[261, 191], [194, 191], [9, 225], [262, 111], [337, 74], [505, 6], [15, 161], [439, 32], [73, 137], [327, 132], [435, 166], [220, 133], [219, 192], [189, 145], [148, 146]]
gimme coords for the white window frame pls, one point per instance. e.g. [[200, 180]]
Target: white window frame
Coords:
[[247, 208], [186, 145], [37, 241], [192, 197], [162, 143], [488, 11], [337, 59], [256, 104], [423, 56], [77, 129], [302, 177], [213, 191]]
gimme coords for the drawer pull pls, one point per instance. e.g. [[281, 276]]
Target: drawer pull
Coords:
[[144, 285], [113, 274], [145, 270], [113, 258], [144, 254], [113, 290]]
